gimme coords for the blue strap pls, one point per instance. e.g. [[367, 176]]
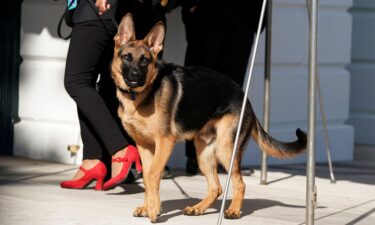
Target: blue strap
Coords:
[[72, 4]]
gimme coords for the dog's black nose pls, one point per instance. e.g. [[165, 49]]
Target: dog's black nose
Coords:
[[134, 75]]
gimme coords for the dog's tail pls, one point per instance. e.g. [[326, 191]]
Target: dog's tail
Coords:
[[275, 148]]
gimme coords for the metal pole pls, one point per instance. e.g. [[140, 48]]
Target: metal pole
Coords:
[[324, 118], [242, 113], [325, 129], [267, 89], [310, 182]]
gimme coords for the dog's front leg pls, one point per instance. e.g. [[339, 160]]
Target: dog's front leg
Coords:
[[147, 155], [163, 150]]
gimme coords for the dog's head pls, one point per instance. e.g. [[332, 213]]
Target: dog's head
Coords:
[[134, 62]]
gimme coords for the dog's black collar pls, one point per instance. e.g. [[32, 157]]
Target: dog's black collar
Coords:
[[130, 92]]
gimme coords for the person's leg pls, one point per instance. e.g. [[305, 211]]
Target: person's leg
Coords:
[[92, 149], [234, 64], [88, 42], [107, 90], [203, 49], [191, 58]]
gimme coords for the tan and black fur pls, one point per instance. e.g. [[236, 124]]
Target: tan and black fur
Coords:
[[161, 104]]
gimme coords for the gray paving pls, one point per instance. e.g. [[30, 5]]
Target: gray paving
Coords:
[[30, 194]]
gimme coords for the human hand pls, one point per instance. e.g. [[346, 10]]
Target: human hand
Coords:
[[103, 6], [193, 8]]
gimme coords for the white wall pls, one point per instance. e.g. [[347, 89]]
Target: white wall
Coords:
[[48, 115], [362, 68], [45, 131]]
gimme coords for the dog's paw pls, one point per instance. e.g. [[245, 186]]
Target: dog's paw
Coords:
[[153, 214], [232, 214], [191, 211], [140, 212]]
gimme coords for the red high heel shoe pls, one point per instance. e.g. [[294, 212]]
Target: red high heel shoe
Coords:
[[132, 156], [97, 173]]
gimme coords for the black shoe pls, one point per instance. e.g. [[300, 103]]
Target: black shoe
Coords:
[[192, 166], [167, 173], [221, 169], [133, 176]]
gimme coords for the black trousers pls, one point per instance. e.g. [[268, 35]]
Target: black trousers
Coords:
[[89, 54], [220, 39], [225, 49]]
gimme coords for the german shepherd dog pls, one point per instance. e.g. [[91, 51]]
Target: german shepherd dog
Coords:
[[161, 104]]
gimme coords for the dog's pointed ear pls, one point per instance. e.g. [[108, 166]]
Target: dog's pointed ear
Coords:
[[125, 31], [155, 38]]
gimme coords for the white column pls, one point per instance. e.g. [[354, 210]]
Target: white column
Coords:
[[362, 68], [48, 115]]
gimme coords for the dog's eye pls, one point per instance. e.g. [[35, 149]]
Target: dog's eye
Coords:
[[144, 62], [127, 57]]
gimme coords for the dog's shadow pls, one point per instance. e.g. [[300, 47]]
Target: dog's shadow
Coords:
[[174, 207], [249, 206]]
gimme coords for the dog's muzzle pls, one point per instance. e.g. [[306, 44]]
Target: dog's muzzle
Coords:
[[134, 79]]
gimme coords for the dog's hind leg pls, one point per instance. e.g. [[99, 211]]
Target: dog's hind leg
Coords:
[[225, 141], [234, 210], [208, 166]]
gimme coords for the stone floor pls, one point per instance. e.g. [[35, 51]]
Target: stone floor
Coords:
[[30, 194]]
